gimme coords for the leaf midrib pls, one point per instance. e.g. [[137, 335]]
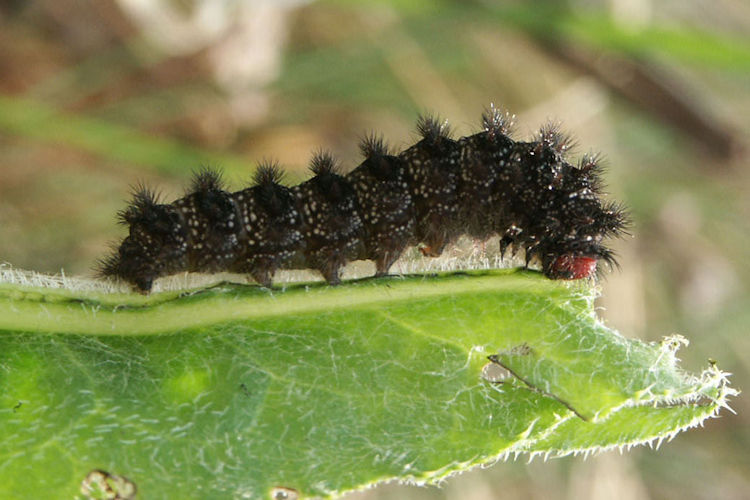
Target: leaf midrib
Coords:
[[60, 312]]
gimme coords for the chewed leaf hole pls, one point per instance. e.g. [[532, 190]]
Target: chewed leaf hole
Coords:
[[492, 372], [282, 493]]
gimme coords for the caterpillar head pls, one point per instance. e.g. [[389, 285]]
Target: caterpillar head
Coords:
[[571, 267], [575, 262], [576, 250]]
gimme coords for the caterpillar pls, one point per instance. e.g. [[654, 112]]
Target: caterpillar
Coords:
[[428, 195]]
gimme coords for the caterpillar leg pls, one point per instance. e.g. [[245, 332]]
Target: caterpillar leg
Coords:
[[329, 266], [263, 275], [433, 247], [384, 261]]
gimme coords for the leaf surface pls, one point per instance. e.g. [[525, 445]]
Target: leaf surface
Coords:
[[232, 391]]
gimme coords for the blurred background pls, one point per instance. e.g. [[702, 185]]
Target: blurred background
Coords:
[[98, 94]]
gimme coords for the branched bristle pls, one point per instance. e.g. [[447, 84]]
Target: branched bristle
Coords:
[[268, 173], [496, 122], [373, 145], [610, 257], [592, 163], [433, 129], [108, 266], [207, 179], [616, 220], [143, 199], [591, 168], [323, 163], [125, 216], [552, 137]]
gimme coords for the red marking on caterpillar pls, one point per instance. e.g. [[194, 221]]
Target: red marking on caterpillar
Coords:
[[573, 267], [429, 195]]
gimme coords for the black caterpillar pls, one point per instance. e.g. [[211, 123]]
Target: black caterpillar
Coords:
[[428, 195]]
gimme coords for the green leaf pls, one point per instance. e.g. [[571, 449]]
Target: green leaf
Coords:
[[235, 391]]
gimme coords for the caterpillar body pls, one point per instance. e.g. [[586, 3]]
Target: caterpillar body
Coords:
[[429, 195]]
